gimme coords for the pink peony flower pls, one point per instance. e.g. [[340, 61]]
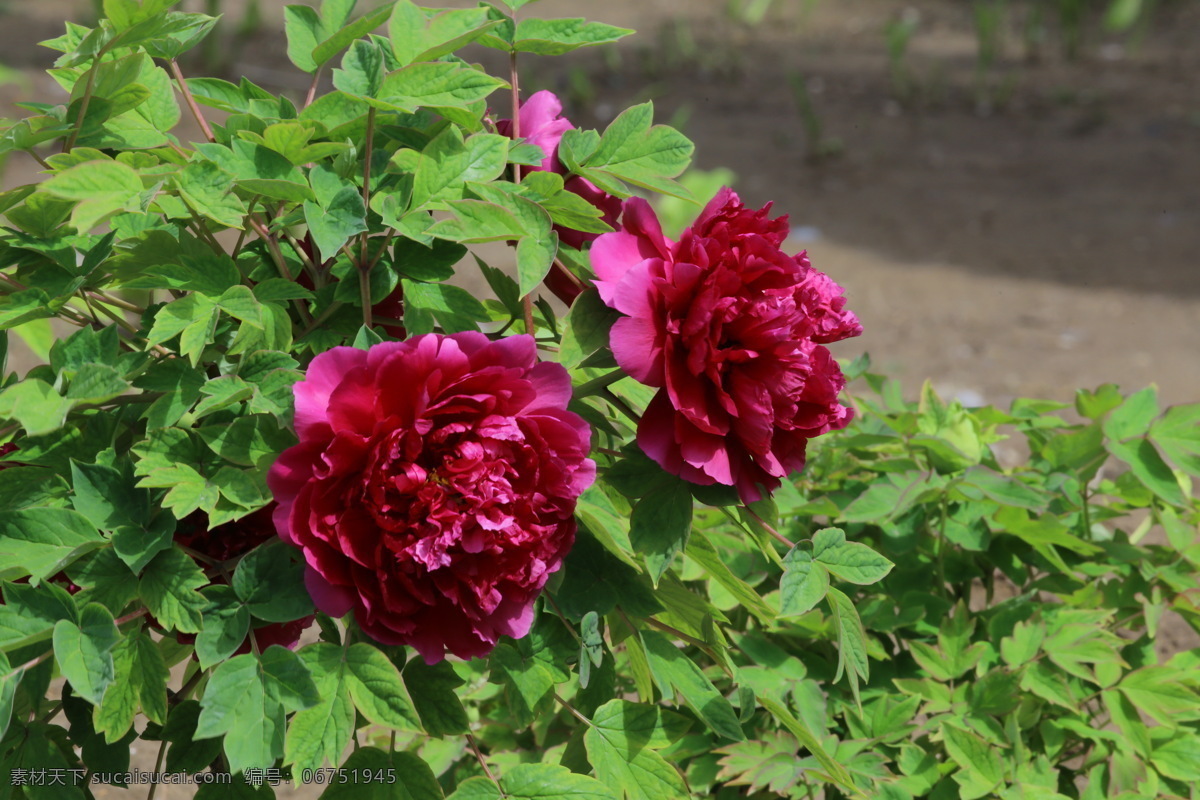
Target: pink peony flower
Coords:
[[433, 490], [732, 330], [542, 124]]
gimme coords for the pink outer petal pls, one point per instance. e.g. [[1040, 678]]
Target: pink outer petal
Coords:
[[286, 478], [637, 347], [615, 254], [336, 601], [312, 394]]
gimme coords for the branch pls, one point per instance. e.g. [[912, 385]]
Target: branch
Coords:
[[191, 101]]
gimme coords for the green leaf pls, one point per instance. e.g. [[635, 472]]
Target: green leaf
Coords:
[[850, 561], [1133, 417], [361, 74], [1147, 466], [247, 699], [586, 328], [1177, 434], [107, 498], [432, 691], [674, 673], [405, 777], [434, 85], [644, 725], [43, 540], [1160, 693], [170, 586], [553, 37], [102, 188], [35, 406], [551, 782], [302, 26], [659, 526], [270, 581], [140, 681], [418, 35], [8, 691], [334, 42], [208, 190], [84, 651], [527, 681], [321, 733], [454, 307], [852, 640], [632, 150], [1178, 758], [972, 753], [377, 689], [803, 585], [333, 225], [225, 623], [629, 768]]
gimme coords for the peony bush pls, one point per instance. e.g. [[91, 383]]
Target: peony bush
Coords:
[[298, 502]]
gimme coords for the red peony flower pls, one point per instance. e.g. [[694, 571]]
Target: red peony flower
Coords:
[[433, 489], [542, 124], [732, 330]]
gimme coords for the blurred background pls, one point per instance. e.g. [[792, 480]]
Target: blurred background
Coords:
[[1009, 190]]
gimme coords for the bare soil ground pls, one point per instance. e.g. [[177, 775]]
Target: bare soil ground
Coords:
[[1029, 239]]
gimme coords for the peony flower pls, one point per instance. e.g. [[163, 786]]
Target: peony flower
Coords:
[[433, 490], [731, 329], [542, 124]]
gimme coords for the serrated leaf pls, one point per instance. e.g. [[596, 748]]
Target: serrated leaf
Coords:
[[553, 37], [628, 768], [170, 586], [140, 682], [247, 699], [101, 188], [43, 541], [432, 691], [333, 225], [225, 622], [35, 406], [414, 779], [321, 733], [377, 690], [633, 150], [675, 673], [434, 85], [208, 190], [852, 640], [270, 581], [84, 651]]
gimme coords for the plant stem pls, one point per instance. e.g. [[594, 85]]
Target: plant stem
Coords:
[[369, 153], [620, 404], [191, 101], [280, 264], [527, 300], [573, 711], [30, 664], [83, 106], [312, 89], [479, 755], [316, 323], [162, 751], [768, 528]]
